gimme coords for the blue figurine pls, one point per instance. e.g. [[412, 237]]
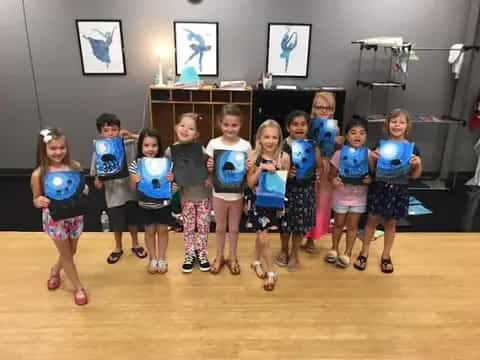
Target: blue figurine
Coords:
[[101, 48]]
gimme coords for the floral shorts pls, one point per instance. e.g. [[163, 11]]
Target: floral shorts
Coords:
[[67, 229]]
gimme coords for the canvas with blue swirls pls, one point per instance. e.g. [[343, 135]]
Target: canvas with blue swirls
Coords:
[[394, 162], [110, 159], [353, 164], [64, 189], [324, 131], [303, 158]]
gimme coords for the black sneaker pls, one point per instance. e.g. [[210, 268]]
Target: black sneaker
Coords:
[[202, 259], [187, 266]]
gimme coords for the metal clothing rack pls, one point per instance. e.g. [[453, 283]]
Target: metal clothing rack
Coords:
[[452, 130], [390, 81], [449, 120]]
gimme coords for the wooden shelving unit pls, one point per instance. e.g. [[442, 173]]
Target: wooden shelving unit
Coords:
[[167, 104]]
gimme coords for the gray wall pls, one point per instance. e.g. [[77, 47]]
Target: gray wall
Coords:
[[69, 100]]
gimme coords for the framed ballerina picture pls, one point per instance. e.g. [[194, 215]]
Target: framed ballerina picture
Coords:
[[288, 49], [101, 47], [196, 45]]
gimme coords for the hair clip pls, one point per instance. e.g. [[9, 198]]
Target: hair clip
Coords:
[[46, 135]]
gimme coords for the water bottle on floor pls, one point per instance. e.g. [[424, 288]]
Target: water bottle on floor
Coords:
[[104, 221]]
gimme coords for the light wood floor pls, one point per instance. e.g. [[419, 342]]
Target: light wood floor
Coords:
[[428, 309]]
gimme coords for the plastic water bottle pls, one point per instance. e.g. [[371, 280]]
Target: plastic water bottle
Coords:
[[105, 222]]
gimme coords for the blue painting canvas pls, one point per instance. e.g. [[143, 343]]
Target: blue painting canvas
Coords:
[[353, 165], [271, 189], [64, 189], [324, 131], [110, 160], [394, 162], [230, 170], [101, 47], [303, 158], [153, 184], [288, 49], [196, 45]]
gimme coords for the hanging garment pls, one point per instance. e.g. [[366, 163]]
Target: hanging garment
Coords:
[[455, 58], [475, 181]]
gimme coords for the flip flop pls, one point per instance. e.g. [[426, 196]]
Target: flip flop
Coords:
[[384, 264], [363, 263], [139, 252], [114, 256]]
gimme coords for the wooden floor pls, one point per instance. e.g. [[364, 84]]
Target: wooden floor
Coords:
[[428, 309]]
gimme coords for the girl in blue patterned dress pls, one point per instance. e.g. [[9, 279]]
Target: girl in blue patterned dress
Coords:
[[388, 201]]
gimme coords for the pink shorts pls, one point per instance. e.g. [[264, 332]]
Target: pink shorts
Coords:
[[67, 229]]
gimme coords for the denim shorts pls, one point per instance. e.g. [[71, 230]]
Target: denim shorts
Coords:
[[345, 209]]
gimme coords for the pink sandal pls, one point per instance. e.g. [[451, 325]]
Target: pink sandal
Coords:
[[53, 281], [80, 296]]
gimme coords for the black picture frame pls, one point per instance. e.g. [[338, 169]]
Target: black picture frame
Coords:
[[298, 69], [101, 52], [182, 47]]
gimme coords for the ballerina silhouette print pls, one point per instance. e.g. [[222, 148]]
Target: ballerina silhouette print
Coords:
[[101, 47], [198, 46], [288, 43]]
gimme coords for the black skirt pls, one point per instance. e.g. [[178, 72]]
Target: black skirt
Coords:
[[162, 216], [387, 200], [299, 215]]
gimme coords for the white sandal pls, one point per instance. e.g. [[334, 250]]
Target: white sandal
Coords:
[[152, 267], [343, 261], [257, 267], [162, 266], [331, 257], [270, 282]]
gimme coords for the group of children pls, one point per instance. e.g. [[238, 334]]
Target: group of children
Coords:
[[304, 216]]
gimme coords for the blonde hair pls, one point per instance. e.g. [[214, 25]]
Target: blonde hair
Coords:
[[44, 138], [394, 114], [258, 146], [327, 97]]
